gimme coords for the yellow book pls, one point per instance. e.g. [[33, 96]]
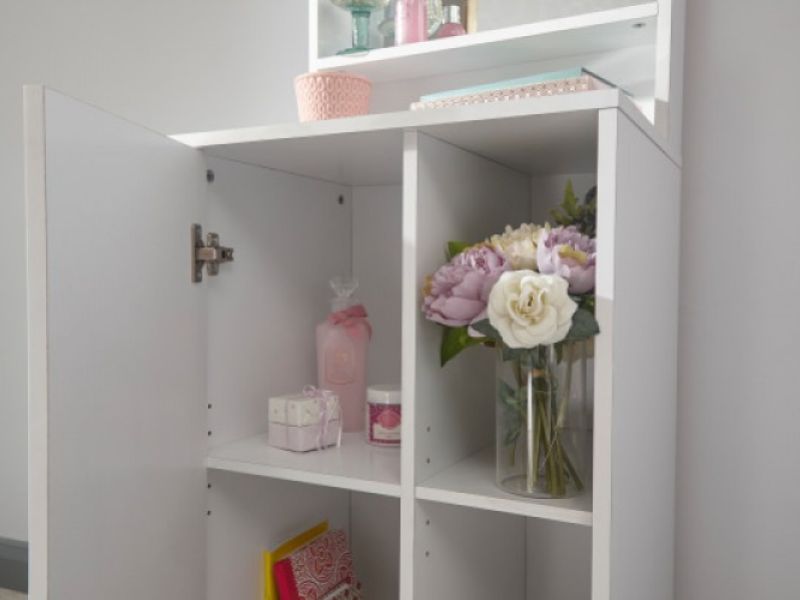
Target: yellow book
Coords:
[[284, 550]]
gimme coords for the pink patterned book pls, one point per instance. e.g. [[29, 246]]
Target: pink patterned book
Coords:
[[320, 570], [547, 84]]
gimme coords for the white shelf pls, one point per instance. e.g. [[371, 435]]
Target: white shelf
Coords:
[[471, 483], [555, 134], [355, 466], [589, 33]]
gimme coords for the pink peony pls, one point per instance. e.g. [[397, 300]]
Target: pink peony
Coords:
[[567, 252], [456, 295]]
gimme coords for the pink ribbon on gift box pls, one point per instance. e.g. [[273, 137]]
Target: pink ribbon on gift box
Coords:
[[329, 410], [350, 318]]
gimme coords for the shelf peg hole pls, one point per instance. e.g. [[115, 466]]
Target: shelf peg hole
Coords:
[[427, 553], [639, 25], [210, 176], [428, 461], [341, 200], [428, 429]]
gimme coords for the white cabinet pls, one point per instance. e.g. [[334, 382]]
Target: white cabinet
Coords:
[[150, 473]]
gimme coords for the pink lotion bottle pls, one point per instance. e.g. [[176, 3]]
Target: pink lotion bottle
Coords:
[[342, 340]]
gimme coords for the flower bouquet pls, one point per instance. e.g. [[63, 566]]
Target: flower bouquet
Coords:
[[529, 293]]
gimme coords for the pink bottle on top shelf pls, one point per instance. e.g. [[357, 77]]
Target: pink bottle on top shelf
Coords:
[[411, 21], [452, 25], [342, 340]]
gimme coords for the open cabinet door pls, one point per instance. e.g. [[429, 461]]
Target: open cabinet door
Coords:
[[117, 395]]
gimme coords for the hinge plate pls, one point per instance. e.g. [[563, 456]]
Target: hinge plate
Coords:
[[209, 254]]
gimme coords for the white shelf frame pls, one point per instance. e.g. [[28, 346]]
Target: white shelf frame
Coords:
[[446, 171], [470, 483], [355, 466], [600, 31]]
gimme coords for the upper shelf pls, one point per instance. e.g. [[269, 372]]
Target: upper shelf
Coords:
[[589, 33], [554, 134]]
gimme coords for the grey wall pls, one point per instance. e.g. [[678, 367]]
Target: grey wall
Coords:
[[187, 65], [174, 65], [739, 411]]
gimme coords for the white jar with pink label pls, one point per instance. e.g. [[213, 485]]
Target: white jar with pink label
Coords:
[[384, 415]]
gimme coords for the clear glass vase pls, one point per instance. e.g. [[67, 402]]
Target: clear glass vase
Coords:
[[543, 421], [361, 10]]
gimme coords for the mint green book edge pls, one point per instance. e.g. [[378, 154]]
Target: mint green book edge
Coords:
[[511, 83]]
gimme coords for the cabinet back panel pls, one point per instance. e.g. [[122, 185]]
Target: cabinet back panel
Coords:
[[468, 554], [377, 263], [461, 197], [375, 542], [559, 561], [290, 236]]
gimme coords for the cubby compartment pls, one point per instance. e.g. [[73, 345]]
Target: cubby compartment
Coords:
[[293, 234], [473, 554], [248, 515], [455, 428]]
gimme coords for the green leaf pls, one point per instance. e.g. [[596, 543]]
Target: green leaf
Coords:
[[486, 329], [514, 353], [508, 395], [572, 211], [456, 248], [584, 326], [570, 202], [454, 341]]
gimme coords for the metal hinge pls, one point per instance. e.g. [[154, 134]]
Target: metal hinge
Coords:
[[210, 253]]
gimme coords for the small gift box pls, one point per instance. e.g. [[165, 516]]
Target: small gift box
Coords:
[[307, 421]]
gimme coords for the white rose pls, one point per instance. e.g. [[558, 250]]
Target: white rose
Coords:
[[529, 309]]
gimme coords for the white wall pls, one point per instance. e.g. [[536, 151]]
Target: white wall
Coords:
[[174, 65], [739, 410]]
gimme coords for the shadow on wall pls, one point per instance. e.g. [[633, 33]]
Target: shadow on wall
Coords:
[[13, 565]]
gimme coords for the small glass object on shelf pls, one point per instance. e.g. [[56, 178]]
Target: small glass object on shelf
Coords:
[[451, 25], [386, 27], [342, 342], [361, 11], [543, 421], [411, 21], [435, 17]]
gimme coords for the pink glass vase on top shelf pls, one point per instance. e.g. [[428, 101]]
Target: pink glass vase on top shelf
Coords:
[[411, 21], [451, 26], [342, 341]]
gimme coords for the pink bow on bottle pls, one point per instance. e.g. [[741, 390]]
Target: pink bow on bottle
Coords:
[[329, 410], [350, 318]]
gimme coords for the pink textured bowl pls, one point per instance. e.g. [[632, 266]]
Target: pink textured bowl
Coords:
[[331, 95]]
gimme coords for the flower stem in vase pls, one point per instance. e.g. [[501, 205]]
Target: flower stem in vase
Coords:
[[564, 400], [531, 437]]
